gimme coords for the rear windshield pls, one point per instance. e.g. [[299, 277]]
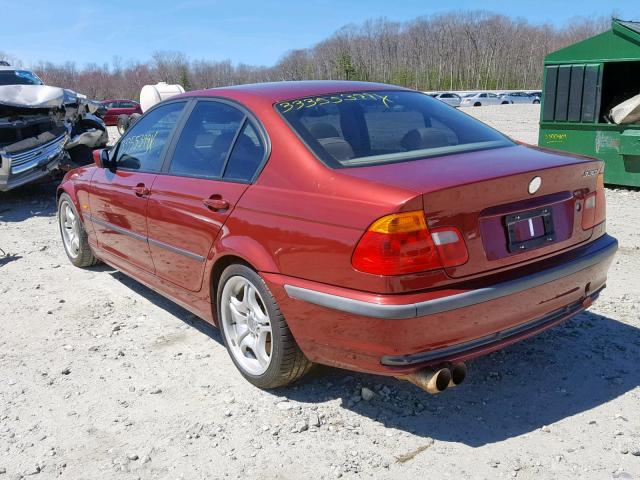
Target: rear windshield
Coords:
[[18, 77], [368, 128]]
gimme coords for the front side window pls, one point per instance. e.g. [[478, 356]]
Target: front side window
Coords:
[[142, 146], [368, 128], [206, 139]]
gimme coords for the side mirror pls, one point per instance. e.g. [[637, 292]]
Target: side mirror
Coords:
[[101, 158]]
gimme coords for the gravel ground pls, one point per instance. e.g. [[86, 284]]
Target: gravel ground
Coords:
[[102, 378]]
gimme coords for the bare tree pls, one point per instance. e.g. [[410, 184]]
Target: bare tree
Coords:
[[454, 50]]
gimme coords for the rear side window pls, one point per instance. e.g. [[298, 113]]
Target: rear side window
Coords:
[[246, 156], [142, 146], [206, 139], [368, 128]]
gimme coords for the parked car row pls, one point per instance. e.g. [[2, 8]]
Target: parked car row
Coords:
[[479, 99]]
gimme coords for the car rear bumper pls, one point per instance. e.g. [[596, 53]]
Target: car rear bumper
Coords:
[[393, 334]]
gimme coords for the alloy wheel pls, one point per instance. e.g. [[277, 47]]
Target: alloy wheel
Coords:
[[246, 325], [70, 229]]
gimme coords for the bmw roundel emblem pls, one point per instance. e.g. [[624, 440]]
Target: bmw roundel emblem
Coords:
[[534, 185]]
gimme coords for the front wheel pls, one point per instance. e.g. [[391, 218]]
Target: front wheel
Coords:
[[535, 102], [255, 332], [74, 237]]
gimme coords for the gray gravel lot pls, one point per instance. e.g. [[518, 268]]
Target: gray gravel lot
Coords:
[[102, 378]]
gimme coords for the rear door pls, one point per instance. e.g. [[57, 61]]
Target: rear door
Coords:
[[211, 164], [118, 197], [493, 99]]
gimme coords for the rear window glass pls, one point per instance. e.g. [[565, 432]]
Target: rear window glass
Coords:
[[367, 128]]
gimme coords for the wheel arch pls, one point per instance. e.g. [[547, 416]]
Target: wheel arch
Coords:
[[236, 250], [67, 187]]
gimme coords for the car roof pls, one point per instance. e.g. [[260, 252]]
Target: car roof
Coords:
[[279, 91]]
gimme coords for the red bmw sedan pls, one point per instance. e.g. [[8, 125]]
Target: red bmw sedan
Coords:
[[359, 225]]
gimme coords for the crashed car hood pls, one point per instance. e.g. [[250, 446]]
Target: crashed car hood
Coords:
[[42, 96]]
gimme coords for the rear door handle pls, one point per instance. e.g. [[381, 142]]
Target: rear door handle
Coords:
[[216, 203], [141, 191]]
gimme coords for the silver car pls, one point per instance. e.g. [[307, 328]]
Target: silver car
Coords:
[[480, 99], [43, 129], [452, 99], [519, 97]]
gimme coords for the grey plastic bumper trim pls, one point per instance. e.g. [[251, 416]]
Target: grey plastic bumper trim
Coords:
[[597, 251], [443, 353]]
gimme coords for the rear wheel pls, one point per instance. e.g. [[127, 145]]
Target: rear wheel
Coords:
[[74, 237], [505, 103], [255, 332], [536, 102], [477, 104]]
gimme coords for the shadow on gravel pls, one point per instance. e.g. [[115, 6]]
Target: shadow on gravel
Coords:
[[166, 304], [38, 200], [8, 258], [588, 361], [568, 370]]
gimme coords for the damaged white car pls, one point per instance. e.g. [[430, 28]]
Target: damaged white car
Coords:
[[43, 129]]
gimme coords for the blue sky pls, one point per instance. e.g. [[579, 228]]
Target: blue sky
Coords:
[[249, 31]]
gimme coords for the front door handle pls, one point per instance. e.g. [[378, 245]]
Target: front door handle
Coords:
[[216, 203], [141, 191]]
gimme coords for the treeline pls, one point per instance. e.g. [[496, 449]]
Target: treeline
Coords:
[[453, 51]]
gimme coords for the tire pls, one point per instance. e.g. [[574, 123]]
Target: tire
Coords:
[[477, 104], [122, 124], [505, 103], [535, 102], [74, 236], [244, 305]]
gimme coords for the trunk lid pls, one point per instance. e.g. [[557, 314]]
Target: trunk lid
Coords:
[[485, 195]]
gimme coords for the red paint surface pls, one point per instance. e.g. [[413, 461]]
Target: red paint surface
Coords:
[[300, 221]]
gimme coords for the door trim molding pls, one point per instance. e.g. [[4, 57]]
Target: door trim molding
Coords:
[[142, 238]]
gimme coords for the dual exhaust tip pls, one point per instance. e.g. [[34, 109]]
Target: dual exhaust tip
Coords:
[[436, 380]]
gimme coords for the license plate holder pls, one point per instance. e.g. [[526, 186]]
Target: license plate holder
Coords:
[[547, 235]]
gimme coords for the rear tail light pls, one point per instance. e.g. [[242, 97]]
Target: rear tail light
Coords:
[[595, 211], [401, 243]]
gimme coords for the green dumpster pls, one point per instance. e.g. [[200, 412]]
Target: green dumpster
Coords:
[[582, 83]]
